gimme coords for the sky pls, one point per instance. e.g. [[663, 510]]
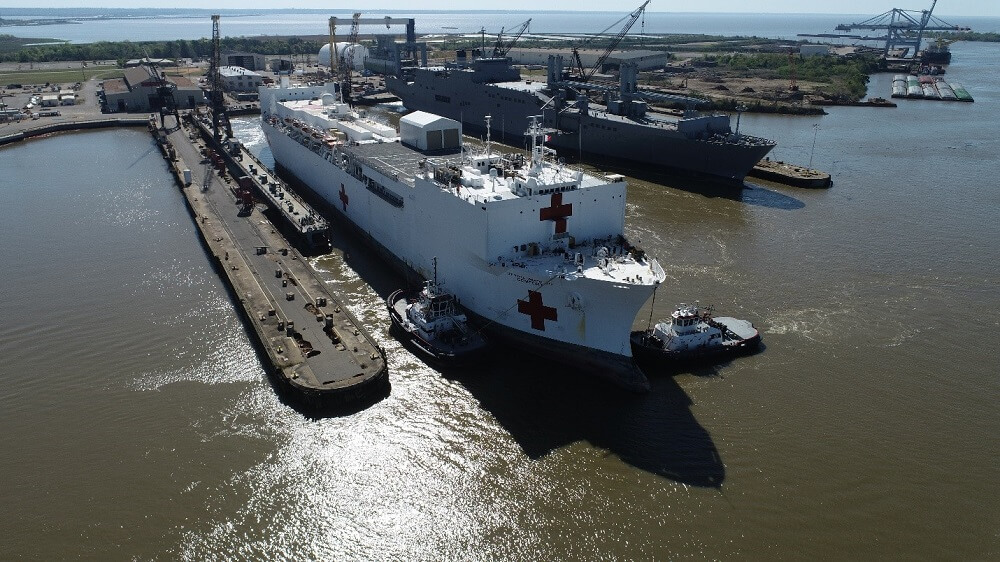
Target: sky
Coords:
[[944, 7]]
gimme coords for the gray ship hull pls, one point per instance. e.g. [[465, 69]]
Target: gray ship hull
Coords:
[[579, 135]]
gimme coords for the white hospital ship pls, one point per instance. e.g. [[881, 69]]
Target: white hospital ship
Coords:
[[534, 250]]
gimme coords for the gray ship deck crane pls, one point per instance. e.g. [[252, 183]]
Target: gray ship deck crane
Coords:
[[502, 47], [584, 74]]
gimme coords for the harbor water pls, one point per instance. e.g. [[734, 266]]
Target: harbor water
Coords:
[[139, 424], [190, 25]]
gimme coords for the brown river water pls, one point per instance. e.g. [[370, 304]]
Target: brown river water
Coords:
[[136, 421]]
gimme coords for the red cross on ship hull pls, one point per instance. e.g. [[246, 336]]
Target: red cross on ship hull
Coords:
[[538, 312], [556, 212], [343, 196]]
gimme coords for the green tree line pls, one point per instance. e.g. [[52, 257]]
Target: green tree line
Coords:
[[123, 50], [989, 37]]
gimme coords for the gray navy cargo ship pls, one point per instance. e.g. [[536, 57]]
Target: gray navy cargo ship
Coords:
[[620, 128]]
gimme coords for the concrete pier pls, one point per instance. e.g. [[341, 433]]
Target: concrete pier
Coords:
[[72, 125], [314, 347]]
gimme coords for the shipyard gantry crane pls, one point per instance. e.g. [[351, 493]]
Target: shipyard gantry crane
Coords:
[[501, 48], [338, 66], [903, 28]]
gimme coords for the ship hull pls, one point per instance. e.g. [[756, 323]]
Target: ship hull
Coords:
[[489, 292], [583, 137]]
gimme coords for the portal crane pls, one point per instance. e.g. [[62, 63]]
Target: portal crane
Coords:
[[215, 74], [164, 94], [501, 48], [586, 75], [904, 28]]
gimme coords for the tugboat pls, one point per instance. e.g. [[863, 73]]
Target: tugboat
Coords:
[[429, 321], [692, 337]]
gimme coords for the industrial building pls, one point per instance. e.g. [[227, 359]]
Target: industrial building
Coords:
[[158, 62], [249, 61], [239, 79], [814, 50], [137, 91], [281, 64]]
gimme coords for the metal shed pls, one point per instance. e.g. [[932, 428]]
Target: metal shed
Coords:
[[427, 131]]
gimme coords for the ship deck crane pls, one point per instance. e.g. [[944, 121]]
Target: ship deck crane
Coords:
[[903, 28], [501, 48], [586, 75]]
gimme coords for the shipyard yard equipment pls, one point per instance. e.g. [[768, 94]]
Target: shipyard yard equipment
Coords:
[[904, 29]]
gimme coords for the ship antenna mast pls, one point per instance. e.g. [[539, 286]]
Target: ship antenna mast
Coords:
[[488, 119], [537, 148], [435, 260]]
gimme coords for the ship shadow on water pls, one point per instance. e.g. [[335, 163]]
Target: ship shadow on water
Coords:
[[703, 368], [544, 406]]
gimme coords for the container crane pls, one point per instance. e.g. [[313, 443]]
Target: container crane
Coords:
[[586, 75], [501, 48], [903, 28]]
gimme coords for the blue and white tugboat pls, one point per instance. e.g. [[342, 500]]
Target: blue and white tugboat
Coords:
[[693, 337], [428, 319]]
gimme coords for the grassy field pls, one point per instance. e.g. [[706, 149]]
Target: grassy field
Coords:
[[59, 76]]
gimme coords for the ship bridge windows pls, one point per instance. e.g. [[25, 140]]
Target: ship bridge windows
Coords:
[[558, 189]]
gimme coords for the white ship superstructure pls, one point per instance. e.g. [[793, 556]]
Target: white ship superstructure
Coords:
[[533, 249]]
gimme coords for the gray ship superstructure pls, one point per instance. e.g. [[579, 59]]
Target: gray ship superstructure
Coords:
[[621, 128]]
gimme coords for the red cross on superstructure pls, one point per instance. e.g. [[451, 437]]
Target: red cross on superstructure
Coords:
[[538, 312], [343, 196], [557, 212]]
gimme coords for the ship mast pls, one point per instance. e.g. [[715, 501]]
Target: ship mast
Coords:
[[488, 119], [537, 148]]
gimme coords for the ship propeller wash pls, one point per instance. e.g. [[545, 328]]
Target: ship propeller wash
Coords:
[[534, 251]]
